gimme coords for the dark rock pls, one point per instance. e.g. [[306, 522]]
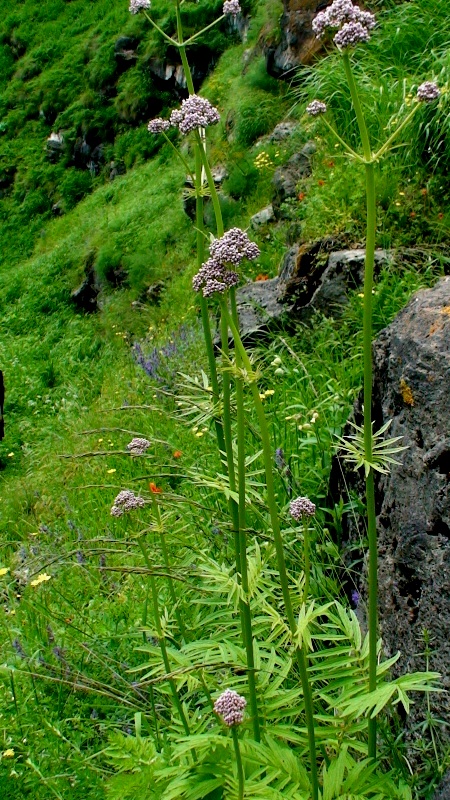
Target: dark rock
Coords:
[[55, 146], [153, 292], [262, 217], [116, 168], [411, 389], [169, 76], [86, 295], [443, 790], [312, 277], [297, 45], [125, 51], [283, 131], [259, 308], [287, 177], [57, 209]]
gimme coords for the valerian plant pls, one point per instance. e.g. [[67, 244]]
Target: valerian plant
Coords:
[[256, 682], [304, 687]]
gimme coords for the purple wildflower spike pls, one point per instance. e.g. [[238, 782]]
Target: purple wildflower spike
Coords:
[[230, 706]]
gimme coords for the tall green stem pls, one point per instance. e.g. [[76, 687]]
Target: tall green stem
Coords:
[[172, 592], [162, 641], [273, 511], [371, 226], [239, 765], [245, 604], [306, 558]]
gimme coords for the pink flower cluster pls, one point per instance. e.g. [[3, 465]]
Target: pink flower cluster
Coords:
[[195, 112], [315, 108], [352, 23], [232, 7], [230, 706], [138, 446], [126, 501], [428, 91], [302, 507], [137, 5], [229, 250]]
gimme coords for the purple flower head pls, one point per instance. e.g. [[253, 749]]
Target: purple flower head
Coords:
[[341, 14], [302, 507], [158, 125], [138, 446], [351, 34], [356, 597], [195, 112], [279, 458], [214, 275], [137, 5], [428, 91], [126, 501], [316, 108], [231, 7], [233, 247], [230, 706]]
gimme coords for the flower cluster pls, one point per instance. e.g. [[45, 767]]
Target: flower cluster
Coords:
[[231, 7], [137, 5], [353, 25], [214, 275], [428, 91], [124, 502], [195, 112], [302, 507], [315, 108], [158, 125], [230, 706], [138, 446]]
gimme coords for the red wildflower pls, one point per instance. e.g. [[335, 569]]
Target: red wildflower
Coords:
[[262, 277], [301, 196], [321, 183], [177, 454], [154, 488]]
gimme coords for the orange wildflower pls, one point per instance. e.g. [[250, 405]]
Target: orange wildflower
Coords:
[[262, 277], [154, 488], [177, 454]]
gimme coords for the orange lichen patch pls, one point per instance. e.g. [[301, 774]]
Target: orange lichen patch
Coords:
[[446, 310], [406, 393], [436, 326]]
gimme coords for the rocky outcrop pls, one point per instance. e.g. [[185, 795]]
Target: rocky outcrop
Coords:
[[443, 790], [411, 390], [287, 177], [312, 277], [298, 44]]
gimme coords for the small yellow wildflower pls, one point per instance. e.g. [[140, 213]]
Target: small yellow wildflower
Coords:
[[110, 471], [199, 433], [10, 455], [269, 392], [3, 571], [9, 753], [40, 579]]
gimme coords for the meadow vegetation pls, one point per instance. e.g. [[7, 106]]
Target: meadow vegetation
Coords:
[[85, 710]]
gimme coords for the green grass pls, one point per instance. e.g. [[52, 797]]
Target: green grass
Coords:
[[68, 374]]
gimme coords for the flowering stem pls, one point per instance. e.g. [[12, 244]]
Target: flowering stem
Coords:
[[358, 108], [385, 147], [162, 641], [208, 27], [160, 30], [165, 553], [239, 765], [306, 558], [273, 511], [180, 156], [245, 605], [371, 226], [346, 146], [212, 186]]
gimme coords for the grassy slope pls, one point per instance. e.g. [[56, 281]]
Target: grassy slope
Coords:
[[64, 370]]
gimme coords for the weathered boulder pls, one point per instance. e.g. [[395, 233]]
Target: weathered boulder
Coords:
[[287, 177], [411, 389], [55, 146], [86, 295], [312, 277], [443, 790], [262, 217], [297, 44]]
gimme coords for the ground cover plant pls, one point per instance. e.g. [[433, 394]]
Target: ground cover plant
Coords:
[[187, 578]]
